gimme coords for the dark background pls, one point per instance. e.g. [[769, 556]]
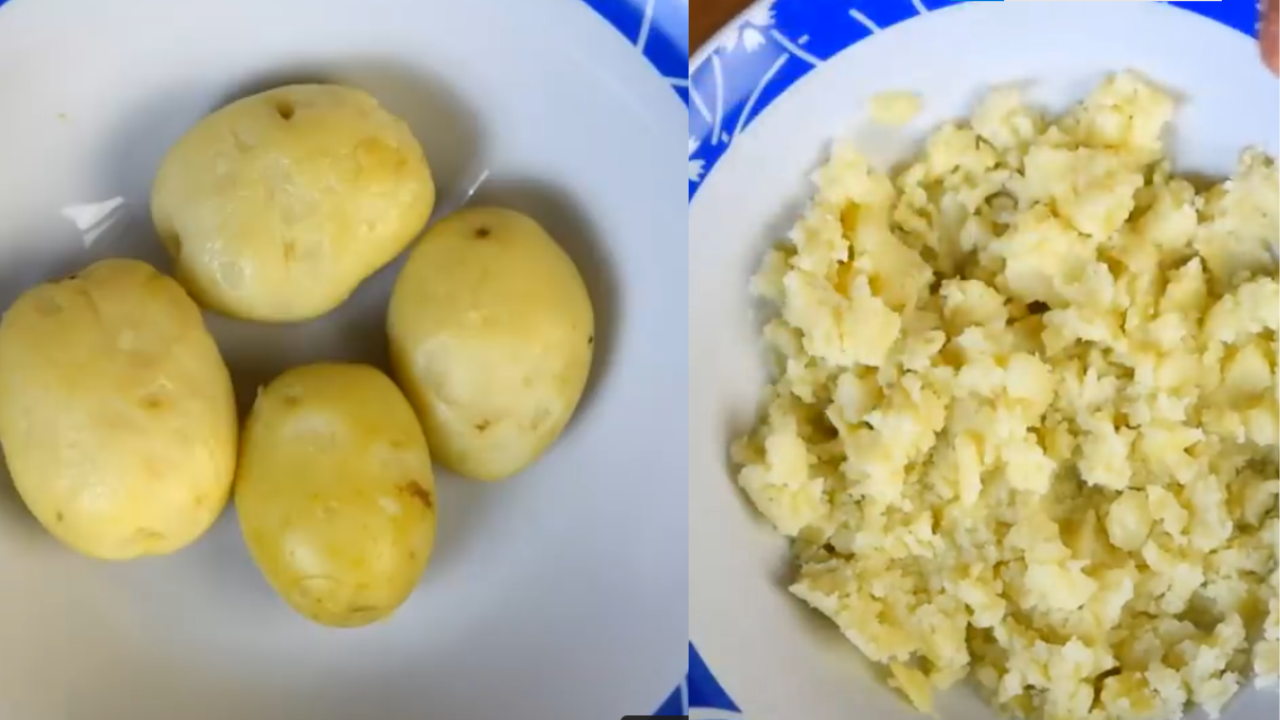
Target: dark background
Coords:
[[707, 16]]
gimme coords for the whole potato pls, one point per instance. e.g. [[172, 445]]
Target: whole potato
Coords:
[[491, 333], [277, 206], [335, 493], [117, 415]]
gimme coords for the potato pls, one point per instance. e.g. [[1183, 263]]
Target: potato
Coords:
[[277, 206], [117, 415], [491, 333], [335, 493]]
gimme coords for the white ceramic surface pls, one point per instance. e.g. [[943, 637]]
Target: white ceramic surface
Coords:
[[777, 659], [559, 595]]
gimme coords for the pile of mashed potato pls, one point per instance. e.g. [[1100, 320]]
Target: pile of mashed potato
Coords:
[[1024, 428]]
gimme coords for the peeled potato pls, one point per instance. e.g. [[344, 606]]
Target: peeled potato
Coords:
[[491, 334], [277, 206], [335, 493], [117, 415]]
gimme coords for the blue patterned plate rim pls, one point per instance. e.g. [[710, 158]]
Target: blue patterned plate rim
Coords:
[[783, 28]]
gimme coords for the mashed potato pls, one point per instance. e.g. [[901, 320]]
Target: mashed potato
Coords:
[[1024, 428]]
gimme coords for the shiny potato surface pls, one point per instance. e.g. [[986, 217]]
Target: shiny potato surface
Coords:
[[117, 414], [492, 334], [335, 493], [278, 205]]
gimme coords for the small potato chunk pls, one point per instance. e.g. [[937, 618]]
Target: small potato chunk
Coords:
[[492, 333], [117, 416], [894, 108], [277, 206], [335, 493]]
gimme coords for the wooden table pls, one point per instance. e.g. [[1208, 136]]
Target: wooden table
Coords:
[[708, 16]]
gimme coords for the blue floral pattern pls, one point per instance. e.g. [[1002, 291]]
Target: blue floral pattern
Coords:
[[659, 29], [752, 63]]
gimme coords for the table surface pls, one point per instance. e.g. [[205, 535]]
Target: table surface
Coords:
[[708, 16]]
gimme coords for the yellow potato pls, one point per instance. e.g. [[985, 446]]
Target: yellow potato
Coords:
[[335, 493], [277, 206], [491, 334], [117, 415]]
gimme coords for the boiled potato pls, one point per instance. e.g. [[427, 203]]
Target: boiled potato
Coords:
[[335, 493], [277, 206], [491, 336], [117, 415]]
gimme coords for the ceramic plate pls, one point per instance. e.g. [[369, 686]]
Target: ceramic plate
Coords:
[[560, 594], [767, 96]]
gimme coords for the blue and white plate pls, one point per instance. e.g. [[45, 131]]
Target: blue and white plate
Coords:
[[766, 97], [559, 594]]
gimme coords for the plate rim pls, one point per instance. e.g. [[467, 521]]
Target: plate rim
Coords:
[[667, 58], [1238, 15]]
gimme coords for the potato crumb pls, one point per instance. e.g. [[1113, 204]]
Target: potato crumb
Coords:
[[1024, 428], [914, 685], [894, 108]]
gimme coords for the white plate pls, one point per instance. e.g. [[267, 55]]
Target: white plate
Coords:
[[763, 117], [559, 594]]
